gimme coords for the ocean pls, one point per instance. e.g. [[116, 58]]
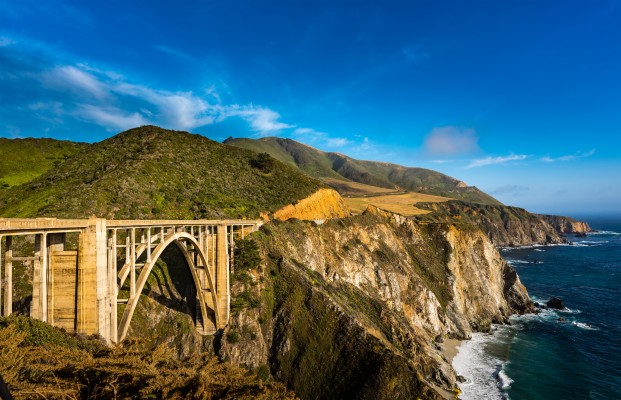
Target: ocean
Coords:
[[540, 357]]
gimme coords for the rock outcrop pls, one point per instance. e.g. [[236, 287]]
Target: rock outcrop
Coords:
[[567, 224], [505, 226], [323, 204], [352, 308]]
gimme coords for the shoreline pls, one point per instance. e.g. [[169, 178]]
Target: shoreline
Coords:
[[449, 349]]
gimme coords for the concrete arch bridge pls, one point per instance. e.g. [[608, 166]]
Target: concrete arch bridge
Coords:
[[85, 289]]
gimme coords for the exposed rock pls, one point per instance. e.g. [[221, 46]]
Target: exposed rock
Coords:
[[505, 226], [567, 224], [352, 308], [555, 303], [323, 204]]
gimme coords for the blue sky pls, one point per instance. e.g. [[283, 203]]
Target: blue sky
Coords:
[[520, 98]]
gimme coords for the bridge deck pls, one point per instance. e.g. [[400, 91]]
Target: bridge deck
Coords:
[[35, 225]]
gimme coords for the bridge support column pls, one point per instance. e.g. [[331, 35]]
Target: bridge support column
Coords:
[[39, 306], [8, 277], [93, 298], [55, 244], [223, 289]]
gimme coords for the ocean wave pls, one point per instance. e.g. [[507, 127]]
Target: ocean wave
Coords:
[[485, 377], [567, 310], [605, 233], [512, 261], [534, 246], [590, 244], [583, 325], [539, 250], [504, 381]]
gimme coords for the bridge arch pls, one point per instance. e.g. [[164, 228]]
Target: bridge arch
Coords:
[[181, 239]]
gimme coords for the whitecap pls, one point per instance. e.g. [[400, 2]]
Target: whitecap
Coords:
[[605, 233], [504, 381], [539, 250], [567, 310], [583, 325]]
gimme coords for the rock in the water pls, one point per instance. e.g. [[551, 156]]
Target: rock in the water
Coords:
[[556, 303], [461, 379]]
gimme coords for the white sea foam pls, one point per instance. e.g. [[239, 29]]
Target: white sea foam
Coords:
[[569, 311], [485, 378], [604, 233], [583, 325], [503, 379], [512, 261], [539, 250]]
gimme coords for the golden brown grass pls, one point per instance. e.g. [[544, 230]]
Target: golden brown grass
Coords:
[[38, 361], [403, 204]]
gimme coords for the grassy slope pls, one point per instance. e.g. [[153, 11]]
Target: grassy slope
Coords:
[[149, 172], [22, 160], [39, 361], [320, 164]]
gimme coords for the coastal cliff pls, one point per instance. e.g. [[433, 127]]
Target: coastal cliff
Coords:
[[355, 307], [505, 226], [567, 224]]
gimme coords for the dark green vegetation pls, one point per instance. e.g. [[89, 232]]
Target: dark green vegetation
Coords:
[[149, 172], [321, 164], [22, 160], [39, 361]]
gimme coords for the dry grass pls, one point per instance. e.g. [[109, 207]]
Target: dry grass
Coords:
[[39, 361], [403, 204]]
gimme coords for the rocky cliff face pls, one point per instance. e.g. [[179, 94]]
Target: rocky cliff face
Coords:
[[505, 226], [353, 308], [566, 224]]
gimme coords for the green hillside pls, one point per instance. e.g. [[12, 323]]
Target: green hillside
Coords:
[[150, 172], [22, 160], [321, 164]]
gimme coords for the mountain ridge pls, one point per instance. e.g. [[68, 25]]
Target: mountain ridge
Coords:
[[320, 164]]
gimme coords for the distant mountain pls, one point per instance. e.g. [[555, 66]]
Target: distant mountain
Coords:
[[22, 160], [320, 164], [150, 172]]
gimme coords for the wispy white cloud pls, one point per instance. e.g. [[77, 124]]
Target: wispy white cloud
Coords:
[[495, 160], [110, 116], [173, 52], [72, 78], [568, 157], [111, 100], [450, 141], [262, 120], [320, 139], [337, 142]]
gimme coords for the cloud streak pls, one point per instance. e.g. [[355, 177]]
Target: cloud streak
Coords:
[[568, 157], [495, 160]]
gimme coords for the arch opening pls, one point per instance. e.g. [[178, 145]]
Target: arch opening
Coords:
[[202, 282]]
